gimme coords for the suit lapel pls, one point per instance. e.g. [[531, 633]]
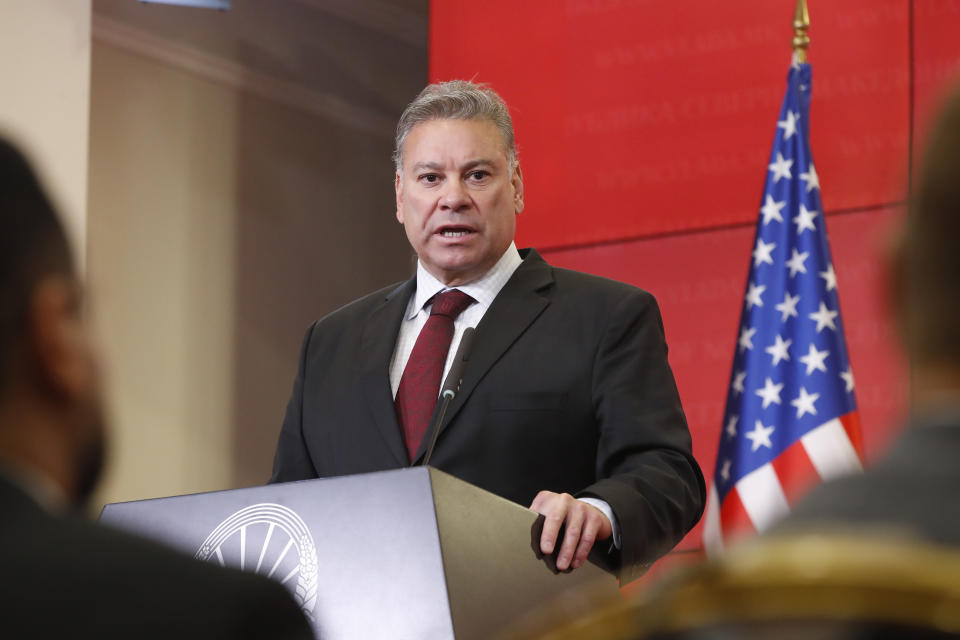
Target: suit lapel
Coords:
[[513, 310], [376, 349]]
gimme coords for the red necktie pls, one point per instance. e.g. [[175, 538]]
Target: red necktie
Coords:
[[420, 382]]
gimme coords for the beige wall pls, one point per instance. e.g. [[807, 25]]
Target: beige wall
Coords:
[[224, 218], [161, 237], [45, 75]]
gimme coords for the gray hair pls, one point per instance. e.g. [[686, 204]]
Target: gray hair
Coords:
[[456, 100]]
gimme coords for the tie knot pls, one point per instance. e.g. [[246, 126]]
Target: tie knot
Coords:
[[450, 303]]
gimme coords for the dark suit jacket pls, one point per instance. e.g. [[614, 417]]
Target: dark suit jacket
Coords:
[[567, 389], [68, 578], [913, 490]]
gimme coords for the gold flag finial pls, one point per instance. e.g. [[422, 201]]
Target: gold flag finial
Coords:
[[801, 22]]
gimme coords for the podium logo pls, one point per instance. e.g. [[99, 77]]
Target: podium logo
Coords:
[[271, 540]]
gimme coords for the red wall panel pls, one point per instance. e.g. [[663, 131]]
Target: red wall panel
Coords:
[[936, 58], [644, 117]]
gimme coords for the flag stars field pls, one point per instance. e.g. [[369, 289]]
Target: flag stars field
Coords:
[[779, 350], [847, 378], [804, 403], [796, 263], [760, 436], [771, 210], [738, 381], [763, 253], [788, 308], [811, 178], [804, 220], [791, 398], [815, 360], [789, 125], [781, 168], [732, 427], [754, 295], [824, 317], [770, 393], [829, 278]]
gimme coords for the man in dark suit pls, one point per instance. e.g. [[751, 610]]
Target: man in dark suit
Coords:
[[61, 576], [567, 391], [915, 489]]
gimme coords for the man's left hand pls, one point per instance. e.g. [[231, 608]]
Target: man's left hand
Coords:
[[584, 525]]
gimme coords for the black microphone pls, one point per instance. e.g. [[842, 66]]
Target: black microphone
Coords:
[[450, 387]]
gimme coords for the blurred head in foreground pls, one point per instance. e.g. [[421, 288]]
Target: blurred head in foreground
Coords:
[[51, 426], [99, 583], [926, 268]]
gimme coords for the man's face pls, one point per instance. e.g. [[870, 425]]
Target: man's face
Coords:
[[67, 355], [457, 197]]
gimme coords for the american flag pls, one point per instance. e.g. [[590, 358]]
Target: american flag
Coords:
[[791, 416]]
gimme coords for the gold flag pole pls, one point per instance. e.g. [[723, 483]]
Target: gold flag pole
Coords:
[[801, 22]]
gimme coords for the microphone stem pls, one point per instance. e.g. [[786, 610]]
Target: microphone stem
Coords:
[[447, 396]]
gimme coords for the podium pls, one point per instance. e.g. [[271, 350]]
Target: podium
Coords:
[[412, 553]]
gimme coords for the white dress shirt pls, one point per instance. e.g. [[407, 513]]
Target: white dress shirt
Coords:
[[484, 290]]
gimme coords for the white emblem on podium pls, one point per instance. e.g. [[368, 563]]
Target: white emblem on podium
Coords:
[[271, 540]]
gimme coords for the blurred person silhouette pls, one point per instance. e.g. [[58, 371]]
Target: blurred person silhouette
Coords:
[[61, 576]]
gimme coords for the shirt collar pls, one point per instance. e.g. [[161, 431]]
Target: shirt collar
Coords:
[[483, 289]]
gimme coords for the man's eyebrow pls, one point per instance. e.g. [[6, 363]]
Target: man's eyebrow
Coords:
[[479, 162], [436, 166], [433, 166]]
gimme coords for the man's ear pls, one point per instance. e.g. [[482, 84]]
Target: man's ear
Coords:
[[398, 189], [517, 181], [58, 341]]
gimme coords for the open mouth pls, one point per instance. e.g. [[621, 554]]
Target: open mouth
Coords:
[[454, 232]]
